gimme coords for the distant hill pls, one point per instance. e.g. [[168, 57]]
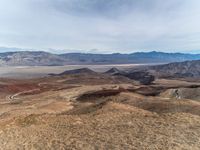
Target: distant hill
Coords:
[[39, 58], [114, 71], [76, 71], [142, 76], [178, 69], [146, 74]]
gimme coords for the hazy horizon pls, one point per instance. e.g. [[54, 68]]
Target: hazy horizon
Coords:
[[58, 51]]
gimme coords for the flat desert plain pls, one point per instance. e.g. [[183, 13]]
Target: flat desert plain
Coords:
[[39, 71]]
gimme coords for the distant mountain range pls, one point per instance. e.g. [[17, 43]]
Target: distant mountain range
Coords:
[[40, 58]]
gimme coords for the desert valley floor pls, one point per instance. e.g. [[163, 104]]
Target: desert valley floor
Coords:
[[99, 111]]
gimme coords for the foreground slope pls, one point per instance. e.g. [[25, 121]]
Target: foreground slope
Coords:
[[80, 110]]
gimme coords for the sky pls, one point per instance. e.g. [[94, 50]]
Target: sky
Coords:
[[100, 26]]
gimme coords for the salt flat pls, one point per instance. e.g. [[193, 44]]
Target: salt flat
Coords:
[[39, 71]]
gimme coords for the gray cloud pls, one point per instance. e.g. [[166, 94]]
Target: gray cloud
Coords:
[[109, 26], [102, 8]]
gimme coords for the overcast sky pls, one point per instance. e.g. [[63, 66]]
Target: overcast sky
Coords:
[[101, 25]]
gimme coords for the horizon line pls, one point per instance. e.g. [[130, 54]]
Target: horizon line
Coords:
[[99, 53]]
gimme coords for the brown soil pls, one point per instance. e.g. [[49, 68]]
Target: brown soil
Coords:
[[89, 114]]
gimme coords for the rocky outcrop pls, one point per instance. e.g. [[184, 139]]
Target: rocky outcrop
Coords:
[[187, 69], [142, 76]]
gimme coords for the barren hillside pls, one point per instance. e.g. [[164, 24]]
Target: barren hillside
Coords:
[[97, 111]]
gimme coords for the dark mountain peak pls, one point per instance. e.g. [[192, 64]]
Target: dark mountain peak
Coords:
[[78, 71], [113, 71]]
